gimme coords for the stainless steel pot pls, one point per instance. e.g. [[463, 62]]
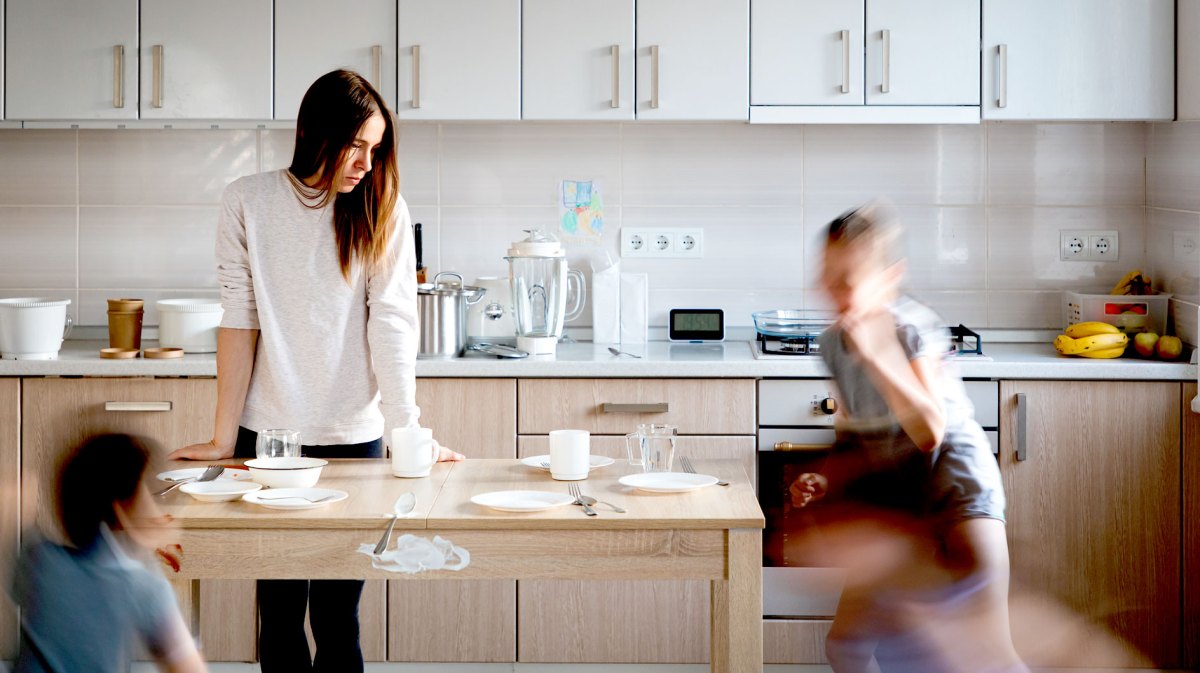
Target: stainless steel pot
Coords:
[[442, 315]]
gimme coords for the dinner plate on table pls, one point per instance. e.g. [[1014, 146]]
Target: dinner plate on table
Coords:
[[542, 462], [219, 490], [295, 498], [667, 482], [522, 501], [237, 474]]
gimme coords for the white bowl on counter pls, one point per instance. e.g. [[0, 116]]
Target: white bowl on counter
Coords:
[[286, 472], [219, 490], [190, 324]]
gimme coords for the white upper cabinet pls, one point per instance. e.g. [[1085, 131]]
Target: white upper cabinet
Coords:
[[577, 59], [1079, 59], [806, 52], [71, 60], [922, 52], [207, 60], [1188, 60], [311, 40], [460, 59], [693, 59]]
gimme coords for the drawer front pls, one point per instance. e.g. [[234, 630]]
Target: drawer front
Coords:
[[617, 406]]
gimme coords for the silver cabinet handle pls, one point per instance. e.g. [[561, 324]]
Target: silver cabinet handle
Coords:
[[156, 95], [1022, 427], [654, 77], [616, 76], [416, 77], [845, 61], [788, 446], [119, 76], [377, 66], [648, 408], [137, 406], [886, 86], [1002, 75]]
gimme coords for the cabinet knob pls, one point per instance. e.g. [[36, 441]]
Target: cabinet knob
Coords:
[[828, 406]]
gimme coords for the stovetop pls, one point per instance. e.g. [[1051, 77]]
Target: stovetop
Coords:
[[966, 342]]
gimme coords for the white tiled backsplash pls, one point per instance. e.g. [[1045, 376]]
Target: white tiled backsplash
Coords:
[[96, 214]]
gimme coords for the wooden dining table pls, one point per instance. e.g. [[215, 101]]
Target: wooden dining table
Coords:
[[713, 533]]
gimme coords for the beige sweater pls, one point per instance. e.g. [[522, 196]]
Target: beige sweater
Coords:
[[335, 360]]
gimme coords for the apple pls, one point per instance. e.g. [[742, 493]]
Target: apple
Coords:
[[1169, 348], [1143, 343]]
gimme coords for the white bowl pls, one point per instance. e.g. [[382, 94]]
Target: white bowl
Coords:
[[286, 472], [219, 490]]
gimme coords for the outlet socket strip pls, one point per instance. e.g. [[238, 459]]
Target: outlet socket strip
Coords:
[[662, 242], [1088, 245]]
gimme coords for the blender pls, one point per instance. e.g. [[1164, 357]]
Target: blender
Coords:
[[538, 273]]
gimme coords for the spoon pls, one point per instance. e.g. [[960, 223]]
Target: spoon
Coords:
[[404, 504], [589, 500], [618, 353]]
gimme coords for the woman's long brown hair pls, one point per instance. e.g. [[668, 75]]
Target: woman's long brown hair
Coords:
[[333, 110]]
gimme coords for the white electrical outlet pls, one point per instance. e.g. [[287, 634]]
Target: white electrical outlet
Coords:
[[1088, 245], [664, 242], [1185, 245]]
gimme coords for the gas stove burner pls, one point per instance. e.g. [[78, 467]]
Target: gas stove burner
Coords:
[[787, 346], [793, 346]]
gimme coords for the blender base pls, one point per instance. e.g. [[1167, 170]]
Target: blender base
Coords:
[[538, 345]]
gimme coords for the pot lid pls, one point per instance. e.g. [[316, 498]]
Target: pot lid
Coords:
[[452, 285], [538, 244]]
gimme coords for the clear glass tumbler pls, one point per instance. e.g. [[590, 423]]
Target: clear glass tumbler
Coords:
[[278, 444], [652, 447]]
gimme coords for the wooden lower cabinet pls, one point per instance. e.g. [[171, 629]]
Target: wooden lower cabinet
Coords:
[[620, 622], [791, 641], [459, 621], [1094, 521], [1191, 529], [10, 517]]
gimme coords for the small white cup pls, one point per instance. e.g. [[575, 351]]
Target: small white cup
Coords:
[[413, 452], [569, 454]]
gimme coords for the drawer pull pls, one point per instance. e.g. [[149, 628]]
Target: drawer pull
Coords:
[[1022, 427], [137, 406], [788, 446], [649, 408]]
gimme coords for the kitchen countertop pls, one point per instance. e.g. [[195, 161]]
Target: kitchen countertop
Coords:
[[733, 359]]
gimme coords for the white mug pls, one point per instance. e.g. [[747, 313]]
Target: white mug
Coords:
[[569, 454], [413, 452]]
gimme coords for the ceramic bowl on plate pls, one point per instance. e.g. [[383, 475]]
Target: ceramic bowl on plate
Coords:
[[219, 490], [286, 472]]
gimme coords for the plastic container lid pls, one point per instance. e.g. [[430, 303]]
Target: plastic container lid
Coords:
[[33, 302], [188, 305], [538, 244]]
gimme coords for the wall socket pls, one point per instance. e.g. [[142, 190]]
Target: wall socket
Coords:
[[1088, 245], [1185, 245], [685, 242]]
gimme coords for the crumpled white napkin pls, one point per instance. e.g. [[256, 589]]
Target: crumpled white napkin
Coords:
[[414, 554]]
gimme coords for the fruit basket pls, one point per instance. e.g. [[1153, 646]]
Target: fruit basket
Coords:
[[1130, 313]]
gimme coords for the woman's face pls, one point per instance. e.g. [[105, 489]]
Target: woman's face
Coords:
[[856, 279], [360, 154]]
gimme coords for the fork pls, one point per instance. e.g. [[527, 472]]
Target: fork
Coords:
[[687, 467], [574, 489], [211, 472], [301, 497]]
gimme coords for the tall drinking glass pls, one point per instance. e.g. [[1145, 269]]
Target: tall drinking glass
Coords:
[[278, 444]]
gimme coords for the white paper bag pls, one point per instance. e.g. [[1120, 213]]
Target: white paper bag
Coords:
[[635, 307], [606, 302]]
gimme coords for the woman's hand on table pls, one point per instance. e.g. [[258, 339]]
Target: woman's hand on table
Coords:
[[446, 455], [209, 450]]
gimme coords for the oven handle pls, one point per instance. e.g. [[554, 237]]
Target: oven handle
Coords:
[[789, 446]]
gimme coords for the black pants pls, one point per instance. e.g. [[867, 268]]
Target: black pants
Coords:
[[332, 605]]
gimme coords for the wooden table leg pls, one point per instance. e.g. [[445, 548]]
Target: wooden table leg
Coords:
[[737, 640], [187, 593]]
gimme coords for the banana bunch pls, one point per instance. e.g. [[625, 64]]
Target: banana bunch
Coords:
[[1134, 282], [1092, 340]]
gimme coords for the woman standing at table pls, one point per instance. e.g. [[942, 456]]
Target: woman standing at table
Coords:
[[318, 283]]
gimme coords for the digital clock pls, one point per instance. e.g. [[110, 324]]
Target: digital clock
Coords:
[[696, 325]]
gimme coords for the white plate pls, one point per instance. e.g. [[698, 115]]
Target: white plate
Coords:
[[235, 474], [294, 498], [667, 482], [219, 490], [522, 501], [593, 462]]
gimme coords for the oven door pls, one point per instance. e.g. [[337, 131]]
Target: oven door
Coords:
[[794, 587]]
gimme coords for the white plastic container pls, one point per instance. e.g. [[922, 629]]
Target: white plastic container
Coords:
[[1130, 313], [33, 328], [190, 324]]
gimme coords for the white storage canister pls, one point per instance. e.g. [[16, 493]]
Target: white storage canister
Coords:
[[190, 324], [33, 328]]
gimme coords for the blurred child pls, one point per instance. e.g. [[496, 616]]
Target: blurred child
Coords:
[[86, 605], [914, 504]]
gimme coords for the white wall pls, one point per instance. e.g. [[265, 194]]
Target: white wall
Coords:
[[1173, 205], [95, 214]]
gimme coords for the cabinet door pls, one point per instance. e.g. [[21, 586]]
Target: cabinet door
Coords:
[[1187, 61], [1191, 528], [71, 60], [1078, 59], [10, 525], [451, 620], [311, 40], [621, 622], [1094, 513], [693, 59], [922, 52], [460, 59], [577, 59], [206, 60], [806, 52]]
